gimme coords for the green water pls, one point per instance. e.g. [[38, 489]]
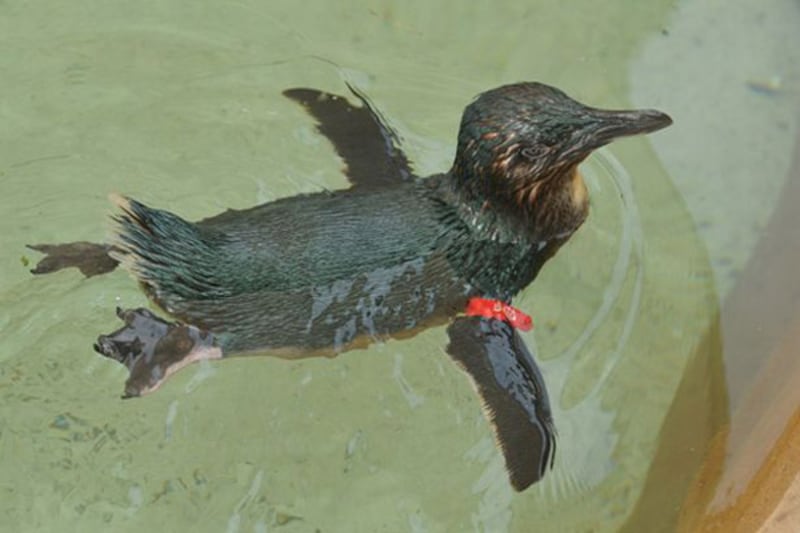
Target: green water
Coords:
[[179, 105]]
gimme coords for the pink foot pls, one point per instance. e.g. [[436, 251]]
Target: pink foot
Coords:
[[153, 349]]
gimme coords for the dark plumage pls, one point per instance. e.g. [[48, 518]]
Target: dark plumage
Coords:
[[325, 272], [410, 252]]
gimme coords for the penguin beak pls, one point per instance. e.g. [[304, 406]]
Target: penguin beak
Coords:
[[603, 126]]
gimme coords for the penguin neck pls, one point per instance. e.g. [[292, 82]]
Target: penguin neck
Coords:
[[530, 212]]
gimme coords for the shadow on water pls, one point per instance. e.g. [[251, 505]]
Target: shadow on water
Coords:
[[749, 479]]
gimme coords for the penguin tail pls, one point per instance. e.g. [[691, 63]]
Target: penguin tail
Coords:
[[167, 254]]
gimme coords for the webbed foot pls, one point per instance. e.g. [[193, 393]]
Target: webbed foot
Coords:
[[152, 349], [90, 258]]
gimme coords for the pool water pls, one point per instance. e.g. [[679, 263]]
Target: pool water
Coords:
[[180, 106]]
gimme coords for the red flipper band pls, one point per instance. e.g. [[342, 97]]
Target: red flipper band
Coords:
[[498, 310]]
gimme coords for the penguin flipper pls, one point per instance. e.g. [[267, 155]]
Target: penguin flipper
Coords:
[[512, 393], [362, 138]]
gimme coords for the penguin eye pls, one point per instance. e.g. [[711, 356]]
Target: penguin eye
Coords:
[[533, 153]]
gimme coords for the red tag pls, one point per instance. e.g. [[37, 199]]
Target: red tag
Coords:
[[499, 311]]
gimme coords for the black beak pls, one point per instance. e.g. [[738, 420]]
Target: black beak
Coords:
[[603, 126]]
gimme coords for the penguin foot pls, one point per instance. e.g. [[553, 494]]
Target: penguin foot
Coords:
[[152, 349], [90, 258]]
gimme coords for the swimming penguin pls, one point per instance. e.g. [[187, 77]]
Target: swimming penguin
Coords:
[[322, 273]]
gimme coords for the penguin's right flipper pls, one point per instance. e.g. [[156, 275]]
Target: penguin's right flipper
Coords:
[[512, 393], [362, 138]]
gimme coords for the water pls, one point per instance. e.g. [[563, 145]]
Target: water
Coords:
[[180, 107]]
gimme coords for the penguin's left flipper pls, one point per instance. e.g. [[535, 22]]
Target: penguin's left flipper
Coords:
[[369, 147], [512, 393], [90, 258]]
